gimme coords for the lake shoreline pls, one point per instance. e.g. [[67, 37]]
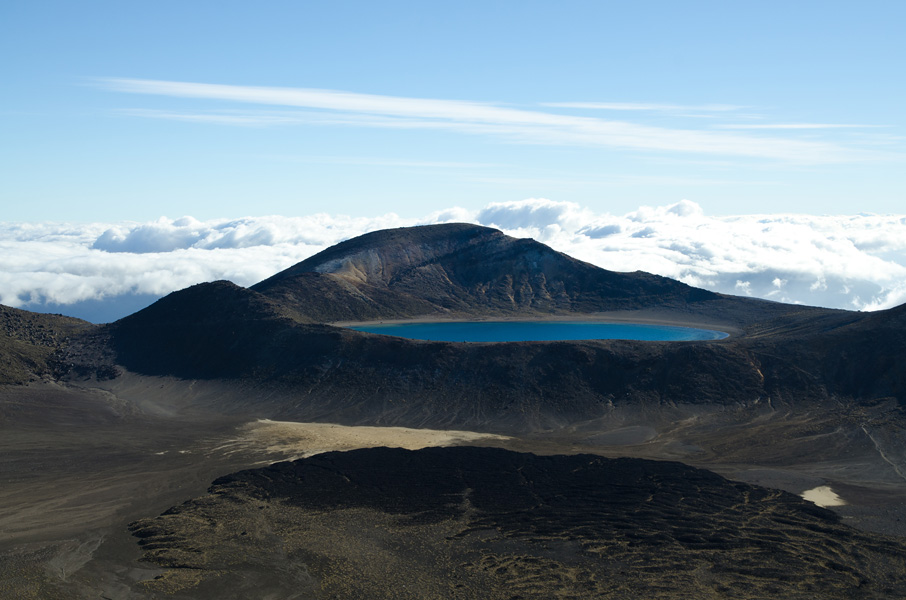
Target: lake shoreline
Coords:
[[617, 317], [540, 331]]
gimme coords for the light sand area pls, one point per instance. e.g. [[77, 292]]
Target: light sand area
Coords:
[[292, 440], [823, 496]]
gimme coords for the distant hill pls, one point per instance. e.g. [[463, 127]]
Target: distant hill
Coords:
[[468, 270]]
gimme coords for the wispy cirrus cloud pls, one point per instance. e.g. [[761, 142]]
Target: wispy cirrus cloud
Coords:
[[796, 126], [647, 106], [332, 107], [239, 118], [383, 162]]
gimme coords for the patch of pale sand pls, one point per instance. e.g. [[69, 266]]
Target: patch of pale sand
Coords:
[[823, 496], [301, 440]]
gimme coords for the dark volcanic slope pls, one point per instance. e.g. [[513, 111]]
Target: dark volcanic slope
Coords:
[[27, 341], [265, 340], [209, 330], [465, 269], [222, 331], [492, 524], [859, 355]]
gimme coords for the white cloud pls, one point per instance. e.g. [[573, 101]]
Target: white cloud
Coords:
[[332, 107], [796, 126], [818, 260], [887, 298], [59, 263], [646, 106], [537, 213], [838, 261], [744, 287]]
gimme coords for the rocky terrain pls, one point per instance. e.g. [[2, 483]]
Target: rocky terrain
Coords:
[[103, 426], [487, 523], [28, 340]]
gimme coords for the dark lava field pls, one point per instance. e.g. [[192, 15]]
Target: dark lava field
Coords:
[[231, 442]]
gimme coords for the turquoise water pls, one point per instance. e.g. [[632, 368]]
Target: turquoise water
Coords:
[[537, 331]]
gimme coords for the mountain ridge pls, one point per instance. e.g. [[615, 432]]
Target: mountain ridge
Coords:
[[461, 269], [273, 342], [276, 344]]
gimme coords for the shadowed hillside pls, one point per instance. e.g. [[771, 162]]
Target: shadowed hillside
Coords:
[[361, 377], [221, 331], [860, 355], [264, 339], [490, 524]]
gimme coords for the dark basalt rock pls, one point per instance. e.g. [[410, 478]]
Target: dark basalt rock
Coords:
[[487, 523]]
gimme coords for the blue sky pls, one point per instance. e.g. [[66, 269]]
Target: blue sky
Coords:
[[147, 146], [131, 111]]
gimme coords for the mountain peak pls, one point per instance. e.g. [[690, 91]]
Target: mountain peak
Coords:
[[460, 269], [376, 256]]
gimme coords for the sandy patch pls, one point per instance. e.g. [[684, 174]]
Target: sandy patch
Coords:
[[300, 440], [823, 496]]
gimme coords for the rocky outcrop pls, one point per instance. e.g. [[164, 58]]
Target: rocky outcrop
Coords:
[[28, 341], [493, 524]]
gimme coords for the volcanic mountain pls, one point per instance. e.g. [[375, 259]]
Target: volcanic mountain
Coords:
[[274, 338], [468, 270], [119, 422]]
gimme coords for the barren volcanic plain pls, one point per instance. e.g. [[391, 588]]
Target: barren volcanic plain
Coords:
[[231, 442]]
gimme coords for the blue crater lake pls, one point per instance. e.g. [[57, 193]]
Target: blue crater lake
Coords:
[[538, 331]]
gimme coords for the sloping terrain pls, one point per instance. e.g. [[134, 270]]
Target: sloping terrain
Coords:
[[221, 331], [468, 270], [491, 524], [119, 422], [28, 340], [857, 355]]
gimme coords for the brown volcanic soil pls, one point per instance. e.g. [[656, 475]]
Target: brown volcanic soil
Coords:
[[487, 523], [80, 464]]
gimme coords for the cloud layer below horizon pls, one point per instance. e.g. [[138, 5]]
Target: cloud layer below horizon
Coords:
[[853, 262]]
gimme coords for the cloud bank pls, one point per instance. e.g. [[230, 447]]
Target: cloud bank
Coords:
[[854, 262]]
